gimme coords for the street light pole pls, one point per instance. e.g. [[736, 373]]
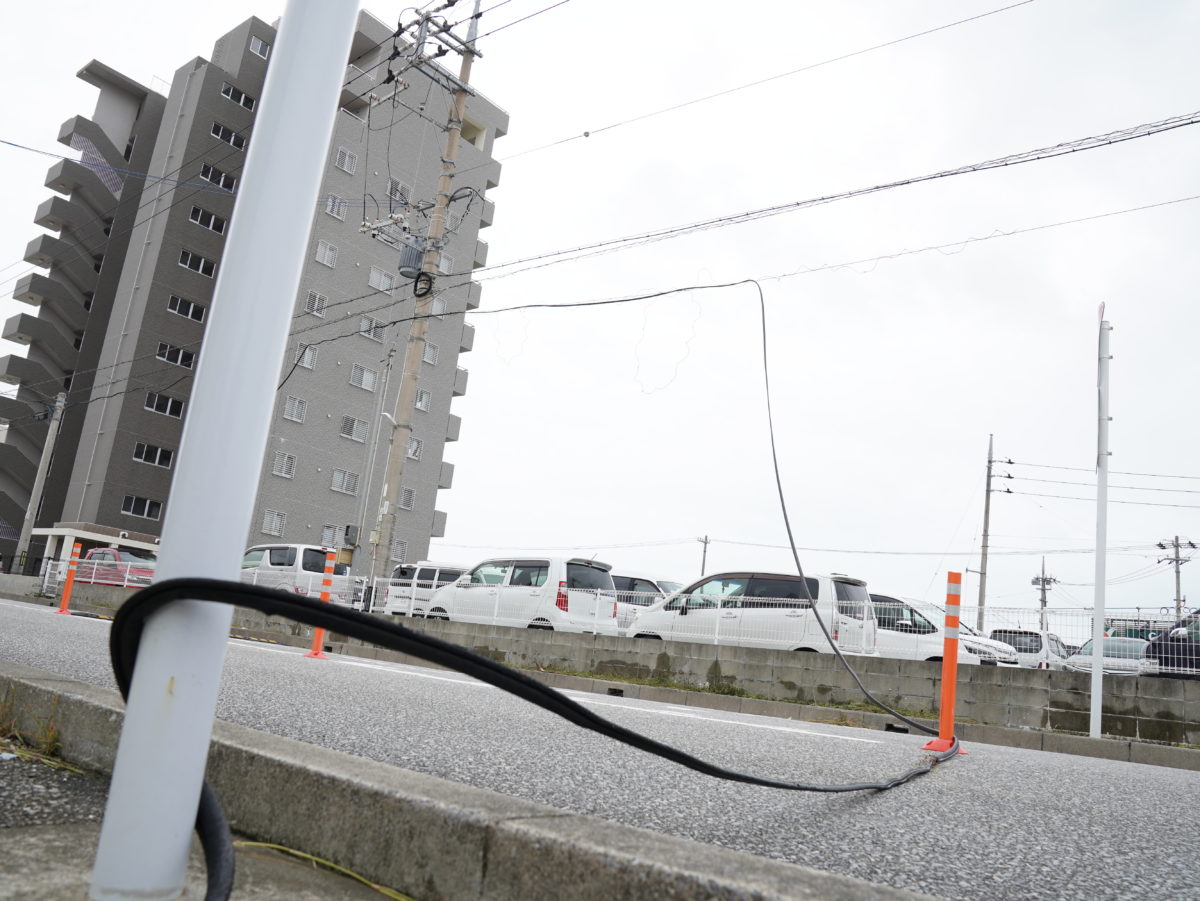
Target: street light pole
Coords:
[[39, 481]]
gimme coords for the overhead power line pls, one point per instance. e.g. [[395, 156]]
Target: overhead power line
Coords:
[[1092, 500], [1148, 475]]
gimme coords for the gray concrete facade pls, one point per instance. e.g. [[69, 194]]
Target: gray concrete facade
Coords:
[[329, 441]]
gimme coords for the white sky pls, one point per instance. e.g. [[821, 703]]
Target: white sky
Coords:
[[628, 432]]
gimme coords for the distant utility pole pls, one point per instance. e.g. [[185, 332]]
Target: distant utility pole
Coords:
[[983, 554], [704, 555], [1044, 582], [1175, 544], [414, 351], [39, 481]]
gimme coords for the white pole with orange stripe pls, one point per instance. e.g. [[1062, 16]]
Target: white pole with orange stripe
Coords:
[[945, 739], [70, 582], [326, 585]]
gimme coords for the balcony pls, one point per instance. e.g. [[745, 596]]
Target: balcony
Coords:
[[446, 475], [80, 183], [55, 295], [437, 528], [23, 371], [453, 427], [481, 254], [26, 329], [357, 82], [460, 382], [467, 341], [60, 215], [65, 256], [474, 291]]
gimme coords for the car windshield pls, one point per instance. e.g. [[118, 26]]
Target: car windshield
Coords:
[[1024, 642], [669, 587], [583, 575], [1130, 648]]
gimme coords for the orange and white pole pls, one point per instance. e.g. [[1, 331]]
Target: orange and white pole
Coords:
[[70, 582], [945, 739], [326, 585]]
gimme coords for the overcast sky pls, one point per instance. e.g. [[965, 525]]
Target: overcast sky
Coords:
[[627, 432]]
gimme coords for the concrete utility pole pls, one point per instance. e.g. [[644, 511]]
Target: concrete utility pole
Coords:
[[39, 481], [1044, 582], [414, 350], [147, 830], [1176, 543], [1102, 454], [704, 555], [983, 554]]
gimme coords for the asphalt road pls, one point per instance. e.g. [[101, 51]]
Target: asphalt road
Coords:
[[998, 823]]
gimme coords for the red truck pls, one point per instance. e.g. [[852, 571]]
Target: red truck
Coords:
[[127, 567]]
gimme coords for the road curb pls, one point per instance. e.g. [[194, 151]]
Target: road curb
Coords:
[[431, 838]]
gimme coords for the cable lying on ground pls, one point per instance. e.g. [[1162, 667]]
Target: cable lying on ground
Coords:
[[210, 823]]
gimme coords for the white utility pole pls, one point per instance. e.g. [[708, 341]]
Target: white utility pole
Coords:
[[1101, 527], [414, 350], [155, 790], [1044, 582], [39, 481], [1177, 560], [983, 554]]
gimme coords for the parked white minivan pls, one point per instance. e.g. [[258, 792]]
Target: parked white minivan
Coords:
[[557, 593], [411, 586], [635, 592], [766, 610], [296, 567], [911, 633]]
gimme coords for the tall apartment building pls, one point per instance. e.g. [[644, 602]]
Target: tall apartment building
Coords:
[[140, 223]]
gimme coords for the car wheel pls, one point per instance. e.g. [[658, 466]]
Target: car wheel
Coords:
[[648, 635], [438, 613], [807, 650], [541, 624]]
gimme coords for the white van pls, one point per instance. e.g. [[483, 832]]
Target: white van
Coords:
[[1035, 648], [296, 567], [636, 591], [558, 593], [766, 610], [913, 630], [411, 586]]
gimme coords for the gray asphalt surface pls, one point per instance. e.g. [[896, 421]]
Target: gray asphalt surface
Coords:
[[999, 823]]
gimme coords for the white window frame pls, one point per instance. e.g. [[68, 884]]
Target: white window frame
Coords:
[[354, 428], [327, 254], [204, 266], [336, 206], [407, 499], [315, 303], [333, 535], [362, 377], [273, 522], [263, 49], [344, 482], [437, 307], [222, 180], [295, 408], [382, 280], [151, 509], [284, 465], [370, 327], [398, 193], [346, 160], [423, 400], [153, 454], [306, 356], [152, 398], [399, 550], [431, 353], [170, 353], [188, 309], [237, 95], [224, 133], [445, 264], [416, 447], [207, 219]]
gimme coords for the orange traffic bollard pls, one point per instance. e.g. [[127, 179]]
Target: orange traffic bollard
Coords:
[[319, 633], [945, 739], [70, 581]]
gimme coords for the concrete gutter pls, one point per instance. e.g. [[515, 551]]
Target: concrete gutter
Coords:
[[433, 839]]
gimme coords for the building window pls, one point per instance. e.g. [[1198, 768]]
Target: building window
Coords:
[[345, 482], [415, 447], [259, 47], [326, 254], [155, 456], [168, 406], [398, 193], [314, 303], [197, 263], [284, 465], [177, 355], [362, 377], [141, 506], [445, 264], [208, 220], [222, 180], [371, 328], [294, 409], [229, 136], [432, 351], [333, 536], [186, 308], [424, 400], [336, 206], [437, 306], [273, 522], [381, 280], [229, 92], [306, 356], [399, 550], [346, 160], [354, 429], [408, 497]]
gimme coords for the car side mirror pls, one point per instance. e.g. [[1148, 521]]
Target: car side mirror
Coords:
[[463, 580], [1180, 634]]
